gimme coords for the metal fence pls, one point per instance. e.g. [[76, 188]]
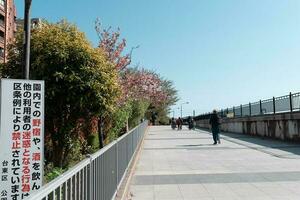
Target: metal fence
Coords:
[[97, 177], [287, 103]]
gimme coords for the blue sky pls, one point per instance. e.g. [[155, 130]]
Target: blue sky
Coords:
[[219, 53]]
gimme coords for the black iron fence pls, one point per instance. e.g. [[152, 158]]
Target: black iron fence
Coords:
[[282, 104]]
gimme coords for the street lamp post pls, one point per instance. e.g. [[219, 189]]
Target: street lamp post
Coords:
[[174, 112], [181, 108], [26, 42]]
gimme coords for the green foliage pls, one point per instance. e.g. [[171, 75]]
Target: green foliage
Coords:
[[93, 142], [79, 82], [161, 113], [139, 109], [132, 113], [52, 172], [119, 119], [82, 83], [163, 108], [170, 91]]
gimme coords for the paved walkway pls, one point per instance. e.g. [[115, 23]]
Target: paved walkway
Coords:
[[185, 165]]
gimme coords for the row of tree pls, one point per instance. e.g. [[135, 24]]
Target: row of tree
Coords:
[[88, 89]]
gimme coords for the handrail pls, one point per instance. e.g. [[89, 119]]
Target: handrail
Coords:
[[83, 181], [282, 97], [296, 94], [49, 187], [264, 107], [266, 100]]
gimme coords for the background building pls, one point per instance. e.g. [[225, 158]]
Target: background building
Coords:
[[35, 23], [8, 26]]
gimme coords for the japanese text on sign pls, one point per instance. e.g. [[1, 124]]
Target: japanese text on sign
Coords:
[[21, 138]]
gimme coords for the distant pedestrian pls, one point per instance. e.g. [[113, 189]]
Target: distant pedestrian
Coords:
[[214, 121], [179, 123], [173, 123], [194, 124], [153, 118], [190, 123]]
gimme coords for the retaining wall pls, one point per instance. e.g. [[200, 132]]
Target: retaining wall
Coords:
[[285, 126]]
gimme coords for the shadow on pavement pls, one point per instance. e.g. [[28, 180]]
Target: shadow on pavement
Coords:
[[260, 143]]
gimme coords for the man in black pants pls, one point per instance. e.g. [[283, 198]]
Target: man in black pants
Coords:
[[214, 121]]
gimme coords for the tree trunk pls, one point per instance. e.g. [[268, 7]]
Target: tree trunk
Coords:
[[100, 132], [58, 155]]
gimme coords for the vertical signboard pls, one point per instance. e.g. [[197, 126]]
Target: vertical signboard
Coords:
[[21, 138]]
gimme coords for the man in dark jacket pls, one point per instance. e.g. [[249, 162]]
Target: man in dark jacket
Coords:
[[214, 121], [179, 123], [153, 118], [190, 123]]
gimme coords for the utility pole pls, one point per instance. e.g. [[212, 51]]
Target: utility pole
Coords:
[[26, 42], [181, 108]]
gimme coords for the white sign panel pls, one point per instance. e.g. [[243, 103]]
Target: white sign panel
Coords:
[[21, 138]]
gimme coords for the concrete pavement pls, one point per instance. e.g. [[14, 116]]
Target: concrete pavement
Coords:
[[185, 165]]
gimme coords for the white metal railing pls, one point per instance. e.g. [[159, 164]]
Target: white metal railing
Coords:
[[98, 176], [283, 104]]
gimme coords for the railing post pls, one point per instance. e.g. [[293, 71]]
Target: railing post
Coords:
[[274, 107], [250, 112], [241, 110], [90, 181], [260, 107], [291, 102], [117, 164]]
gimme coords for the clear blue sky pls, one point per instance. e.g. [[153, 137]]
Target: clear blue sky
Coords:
[[219, 53]]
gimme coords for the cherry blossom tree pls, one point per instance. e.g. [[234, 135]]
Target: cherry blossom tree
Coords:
[[143, 85], [113, 46], [137, 84]]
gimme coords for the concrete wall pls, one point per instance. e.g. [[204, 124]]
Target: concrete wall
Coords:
[[285, 126]]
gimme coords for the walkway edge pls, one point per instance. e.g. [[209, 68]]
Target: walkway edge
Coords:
[[122, 193]]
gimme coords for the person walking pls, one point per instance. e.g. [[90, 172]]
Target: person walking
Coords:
[[153, 118], [214, 121], [180, 123], [173, 123], [190, 123], [194, 123]]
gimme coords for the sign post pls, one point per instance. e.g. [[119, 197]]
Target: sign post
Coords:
[[21, 138]]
